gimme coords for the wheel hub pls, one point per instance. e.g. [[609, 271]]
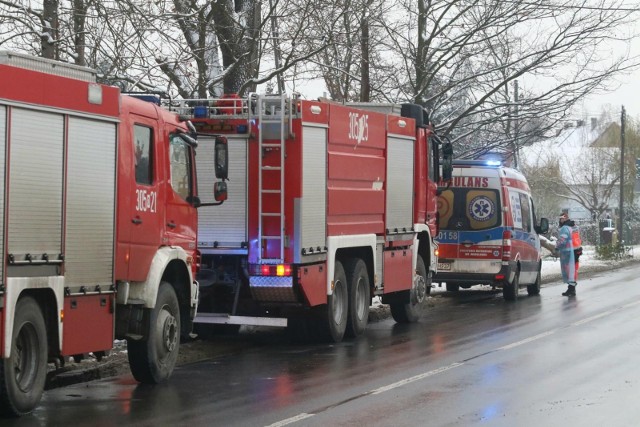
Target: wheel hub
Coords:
[[362, 305], [169, 330], [419, 290]]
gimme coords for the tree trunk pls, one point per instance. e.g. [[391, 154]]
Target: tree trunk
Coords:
[[50, 24], [365, 83], [79, 39]]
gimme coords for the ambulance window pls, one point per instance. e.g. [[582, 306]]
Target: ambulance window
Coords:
[[469, 209], [482, 208], [143, 139], [526, 213], [180, 167]]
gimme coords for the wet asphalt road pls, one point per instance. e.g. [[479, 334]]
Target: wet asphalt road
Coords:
[[472, 360]]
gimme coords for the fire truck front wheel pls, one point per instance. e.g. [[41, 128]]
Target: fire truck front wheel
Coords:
[[23, 374], [152, 359], [408, 307]]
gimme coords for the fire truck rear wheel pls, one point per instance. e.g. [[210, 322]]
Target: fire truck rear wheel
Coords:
[[404, 311], [359, 297], [510, 290], [152, 359], [332, 322], [23, 374]]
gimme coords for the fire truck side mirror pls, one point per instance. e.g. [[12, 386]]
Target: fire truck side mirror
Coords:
[[447, 161], [220, 191], [221, 158]]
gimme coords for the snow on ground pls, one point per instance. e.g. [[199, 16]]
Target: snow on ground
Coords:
[[588, 261]]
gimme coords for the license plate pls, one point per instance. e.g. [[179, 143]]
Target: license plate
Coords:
[[444, 266]]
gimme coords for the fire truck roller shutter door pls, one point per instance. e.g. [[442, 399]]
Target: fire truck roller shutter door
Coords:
[[310, 216], [35, 187], [90, 203], [3, 144], [227, 223], [399, 207]]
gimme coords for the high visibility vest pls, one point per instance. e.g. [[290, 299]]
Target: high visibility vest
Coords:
[[575, 238]]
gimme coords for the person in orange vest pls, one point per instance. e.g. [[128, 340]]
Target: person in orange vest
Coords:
[[569, 249]]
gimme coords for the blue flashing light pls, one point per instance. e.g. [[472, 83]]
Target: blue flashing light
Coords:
[[154, 99], [241, 128], [200, 112], [493, 163]]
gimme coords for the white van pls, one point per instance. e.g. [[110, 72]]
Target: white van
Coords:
[[488, 230]]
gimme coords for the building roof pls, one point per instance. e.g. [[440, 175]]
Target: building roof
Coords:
[[574, 150]]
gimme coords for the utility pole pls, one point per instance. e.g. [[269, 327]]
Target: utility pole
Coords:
[[623, 120]]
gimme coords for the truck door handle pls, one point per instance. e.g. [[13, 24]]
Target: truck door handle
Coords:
[[136, 220], [171, 224]]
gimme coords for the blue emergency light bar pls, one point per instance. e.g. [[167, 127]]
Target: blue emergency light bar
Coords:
[[493, 163]]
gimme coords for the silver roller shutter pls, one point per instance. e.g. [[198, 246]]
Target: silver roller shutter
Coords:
[[90, 202], [399, 184], [35, 186], [225, 224]]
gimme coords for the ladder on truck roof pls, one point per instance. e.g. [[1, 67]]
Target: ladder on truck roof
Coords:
[[273, 112]]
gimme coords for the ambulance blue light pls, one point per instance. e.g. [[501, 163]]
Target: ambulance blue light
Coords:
[[493, 163], [200, 112]]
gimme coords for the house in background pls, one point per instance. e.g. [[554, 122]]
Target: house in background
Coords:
[[577, 170]]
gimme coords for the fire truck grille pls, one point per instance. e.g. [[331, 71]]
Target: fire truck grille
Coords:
[[272, 289]]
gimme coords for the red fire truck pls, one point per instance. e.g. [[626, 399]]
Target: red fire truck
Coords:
[[329, 205], [98, 225]]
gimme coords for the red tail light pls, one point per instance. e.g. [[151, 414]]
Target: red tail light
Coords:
[[506, 245], [270, 269]]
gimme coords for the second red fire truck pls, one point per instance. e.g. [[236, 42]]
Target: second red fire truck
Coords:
[[329, 205]]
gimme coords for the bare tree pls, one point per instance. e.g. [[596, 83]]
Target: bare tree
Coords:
[[576, 165], [54, 29], [352, 66], [544, 179], [460, 59]]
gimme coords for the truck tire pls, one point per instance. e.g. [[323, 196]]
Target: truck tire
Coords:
[[534, 289], [152, 359], [510, 290], [404, 311], [332, 321], [23, 374], [359, 297]]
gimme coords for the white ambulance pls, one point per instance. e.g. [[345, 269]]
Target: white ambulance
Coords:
[[488, 230]]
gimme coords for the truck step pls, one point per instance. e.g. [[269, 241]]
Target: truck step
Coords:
[[227, 319]]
